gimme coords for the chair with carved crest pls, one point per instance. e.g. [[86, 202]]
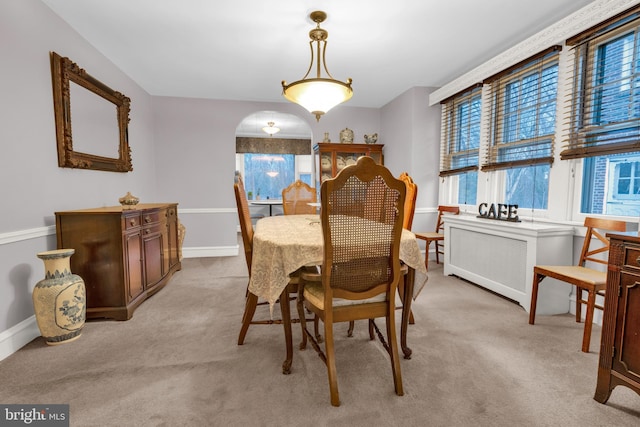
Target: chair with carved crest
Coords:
[[361, 215], [296, 198], [246, 230]]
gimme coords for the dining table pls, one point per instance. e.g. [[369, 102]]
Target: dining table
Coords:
[[267, 202], [283, 244]]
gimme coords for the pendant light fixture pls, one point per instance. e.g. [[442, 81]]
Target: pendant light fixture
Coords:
[[271, 128], [318, 94]]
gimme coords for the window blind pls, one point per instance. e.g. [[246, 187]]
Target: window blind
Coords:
[[460, 129], [604, 118], [521, 123]]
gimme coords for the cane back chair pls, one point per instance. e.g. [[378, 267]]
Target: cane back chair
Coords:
[[251, 300], [296, 198], [361, 216]]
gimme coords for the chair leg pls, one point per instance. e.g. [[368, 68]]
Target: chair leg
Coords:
[[579, 304], [316, 328], [393, 354], [331, 361], [286, 323], [426, 254], [371, 330], [251, 302], [406, 312], [437, 252], [350, 330], [401, 293], [537, 278], [588, 321], [302, 316]]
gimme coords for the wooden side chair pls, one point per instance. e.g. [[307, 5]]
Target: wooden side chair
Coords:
[[361, 268], [409, 211], [583, 277], [296, 198], [251, 300], [410, 200], [407, 222], [437, 236]]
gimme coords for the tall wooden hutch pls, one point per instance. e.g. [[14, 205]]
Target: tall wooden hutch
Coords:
[[332, 158]]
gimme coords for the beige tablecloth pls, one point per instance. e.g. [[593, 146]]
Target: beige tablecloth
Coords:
[[283, 244]]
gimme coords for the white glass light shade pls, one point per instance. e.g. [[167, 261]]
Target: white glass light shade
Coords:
[[318, 95], [271, 129]]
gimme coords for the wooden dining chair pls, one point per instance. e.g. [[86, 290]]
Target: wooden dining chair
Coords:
[[580, 275], [407, 222], [410, 200], [437, 236], [361, 266], [296, 198], [246, 229]]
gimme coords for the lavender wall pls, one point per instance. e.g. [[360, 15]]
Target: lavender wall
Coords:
[[183, 151], [195, 143], [33, 186], [412, 145]]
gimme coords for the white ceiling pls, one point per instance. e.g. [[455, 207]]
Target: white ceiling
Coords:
[[243, 49]]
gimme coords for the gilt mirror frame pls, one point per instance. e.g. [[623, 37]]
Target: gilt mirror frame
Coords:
[[63, 72]]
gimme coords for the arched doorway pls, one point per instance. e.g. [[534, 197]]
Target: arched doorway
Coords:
[[270, 162]]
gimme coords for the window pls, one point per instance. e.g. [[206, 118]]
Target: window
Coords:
[[265, 175], [611, 185], [605, 116], [461, 141], [626, 180], [268, 165], [467, 188], [522, 128]]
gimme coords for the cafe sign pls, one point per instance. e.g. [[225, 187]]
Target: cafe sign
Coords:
[[498, 211]]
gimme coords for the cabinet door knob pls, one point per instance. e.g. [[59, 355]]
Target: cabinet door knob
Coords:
[[147, 219], [638, 260], [132, 222]]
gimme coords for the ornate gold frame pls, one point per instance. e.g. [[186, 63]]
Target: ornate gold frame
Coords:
[[63, 71]]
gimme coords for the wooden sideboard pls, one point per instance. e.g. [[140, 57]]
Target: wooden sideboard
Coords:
[[123, 255], [619, 362]]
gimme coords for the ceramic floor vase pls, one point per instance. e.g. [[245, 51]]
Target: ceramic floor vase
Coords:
[[59, 300]]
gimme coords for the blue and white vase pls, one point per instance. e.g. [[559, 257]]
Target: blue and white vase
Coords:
[[59, 300]]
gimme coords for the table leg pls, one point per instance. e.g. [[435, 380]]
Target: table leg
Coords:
[[406, 312], [286, 323]]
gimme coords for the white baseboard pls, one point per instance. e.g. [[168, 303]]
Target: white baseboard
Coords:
[[210, 251], [16, 337]]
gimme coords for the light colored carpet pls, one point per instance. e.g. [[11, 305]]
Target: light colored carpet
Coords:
[[476, 362]]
